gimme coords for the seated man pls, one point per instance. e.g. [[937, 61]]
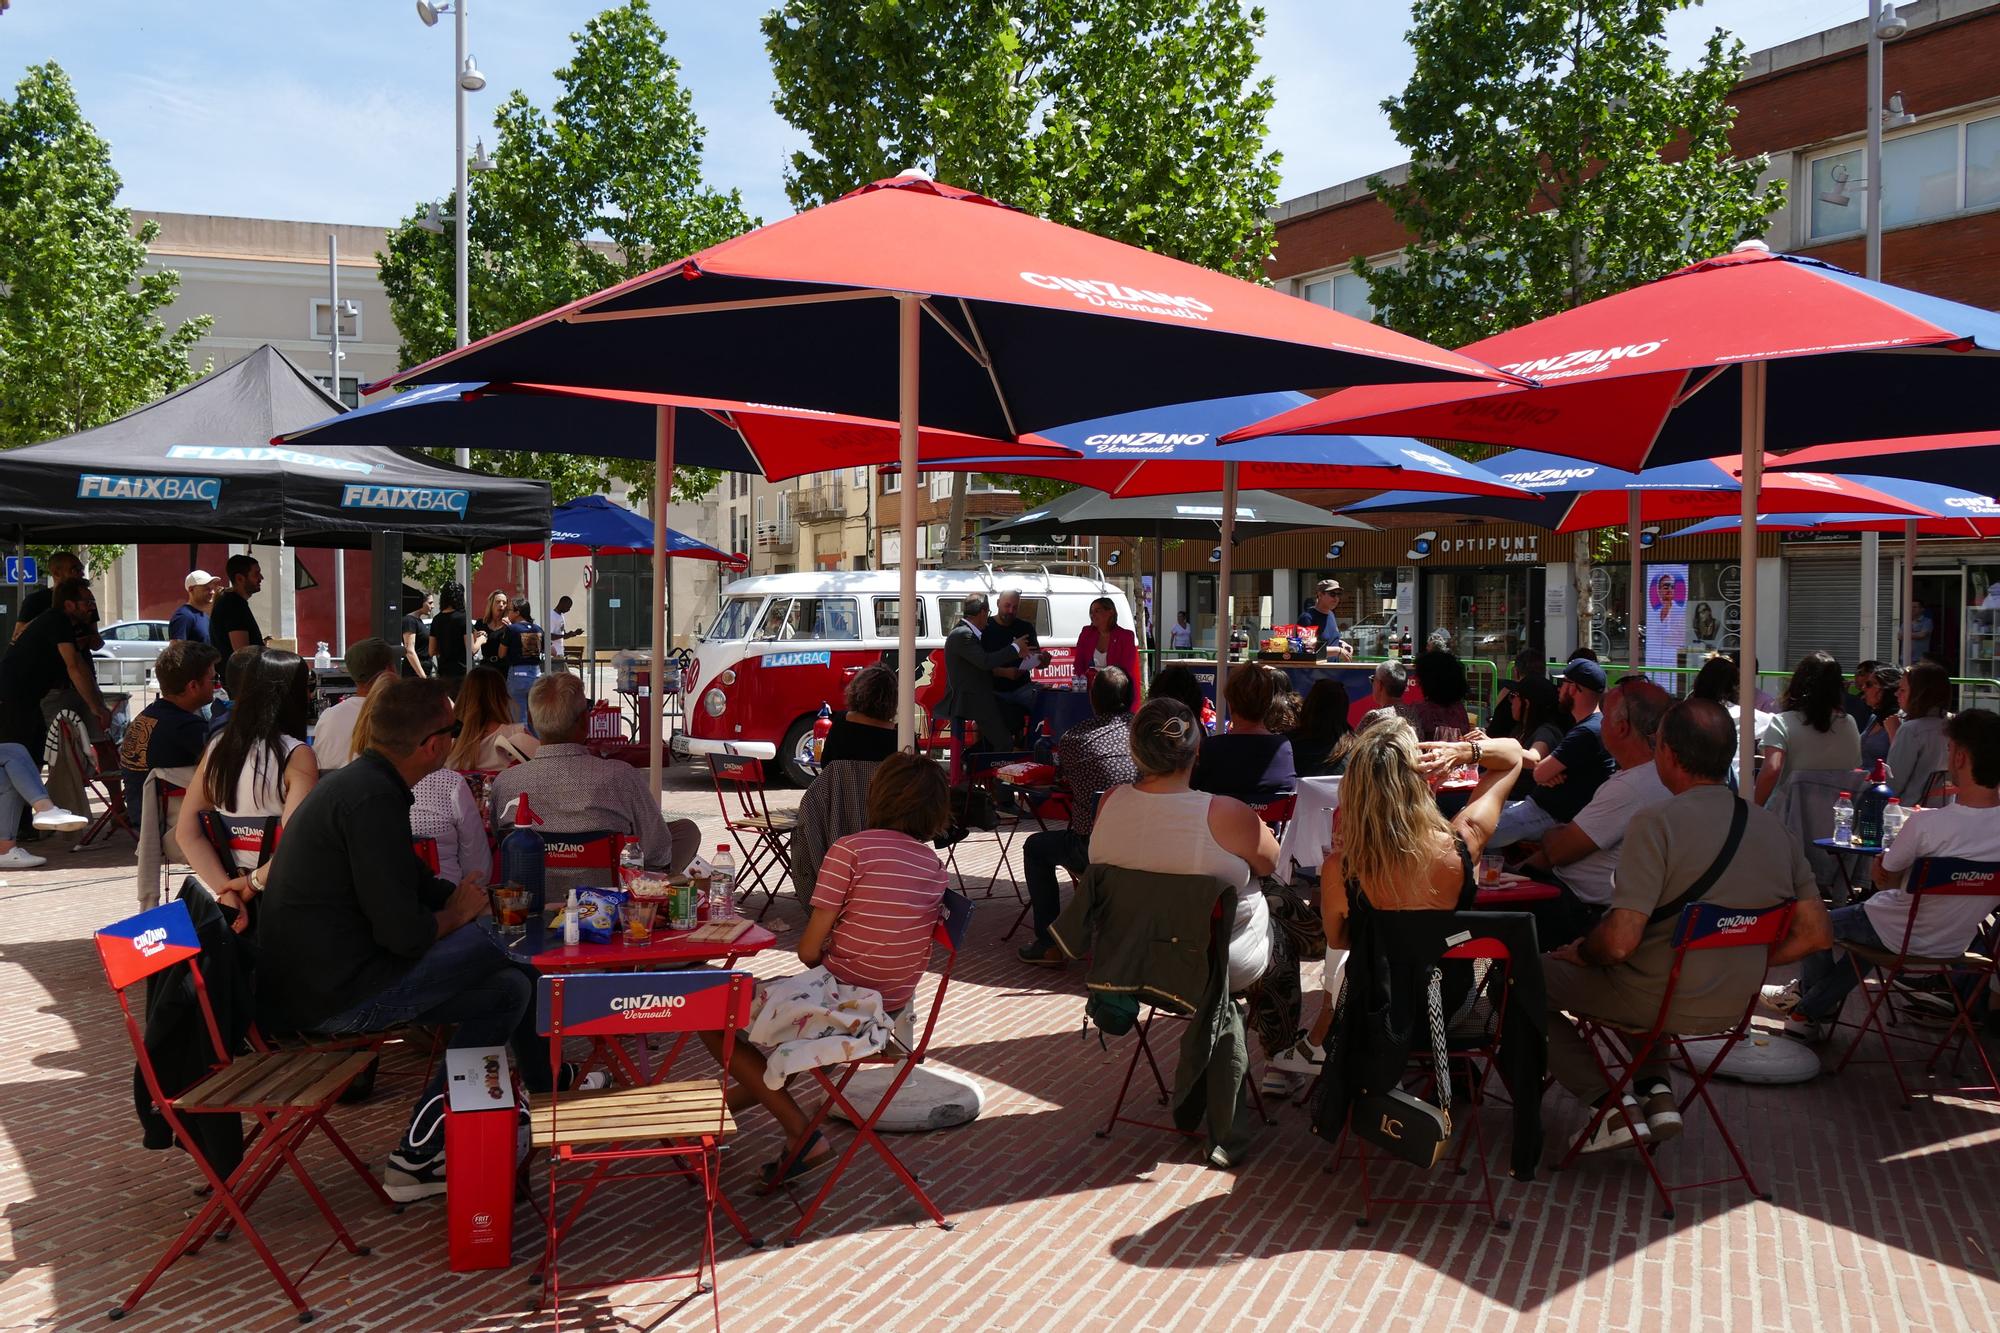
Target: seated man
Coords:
[[1618, 972], [1093, 757], [1583, 854], [573, 791], [1968, 830], [369, 663], [355, 935], [1387, 685], [873, 913], [170, 732], [1574, 770]]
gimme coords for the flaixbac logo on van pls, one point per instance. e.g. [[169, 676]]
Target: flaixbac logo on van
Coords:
[[407, 499], [167, 489]]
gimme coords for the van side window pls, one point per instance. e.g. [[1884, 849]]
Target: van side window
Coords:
[[888, 618], [1034, 610], [772, 626], [822, 618]]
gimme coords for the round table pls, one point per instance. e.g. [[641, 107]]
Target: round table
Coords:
[[1842, 851]]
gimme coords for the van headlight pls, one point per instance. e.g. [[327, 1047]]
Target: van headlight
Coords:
[[714, 702]]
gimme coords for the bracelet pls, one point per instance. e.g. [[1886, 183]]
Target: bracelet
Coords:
[[1475, 752]]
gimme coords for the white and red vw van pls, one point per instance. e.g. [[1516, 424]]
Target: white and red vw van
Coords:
[[783, 644]]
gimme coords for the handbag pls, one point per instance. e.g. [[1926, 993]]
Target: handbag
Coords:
[[1401, 1124]]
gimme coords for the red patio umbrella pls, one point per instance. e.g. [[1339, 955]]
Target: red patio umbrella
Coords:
[[1751, 349], [1021, 323]]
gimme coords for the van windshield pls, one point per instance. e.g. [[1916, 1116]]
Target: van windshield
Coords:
[[735, 618]]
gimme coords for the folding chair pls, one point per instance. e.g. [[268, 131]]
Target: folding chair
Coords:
[[286, 1093], [243, 842], [759, 833], [1939, 877], [593, 849], [681, 1125], [955, 916], [1472, 1054], [101, 777], [1008, 824], [1702, 926]]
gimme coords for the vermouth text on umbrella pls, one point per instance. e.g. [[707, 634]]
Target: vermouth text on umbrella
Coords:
[[1587, 361], [1117, 296]]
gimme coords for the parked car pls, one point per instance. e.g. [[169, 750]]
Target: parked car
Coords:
[[133, 640], [1380, 635]]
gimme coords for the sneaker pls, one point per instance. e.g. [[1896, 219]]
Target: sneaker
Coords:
[[1614, 1132], [1921, 1002], [1302, 1057], [1276, 1083], [1663, 1112], [59, 820], [1780, 1000], [1042, 955], [405, 1180], [1808, 1030], [20, 858]]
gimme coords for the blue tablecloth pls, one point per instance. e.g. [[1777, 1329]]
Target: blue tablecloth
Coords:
[[1061, 709]]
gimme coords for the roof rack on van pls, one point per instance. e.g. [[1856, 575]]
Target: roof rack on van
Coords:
[[1046, 568]]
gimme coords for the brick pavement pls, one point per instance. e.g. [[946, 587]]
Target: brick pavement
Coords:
[[1882, 1217]]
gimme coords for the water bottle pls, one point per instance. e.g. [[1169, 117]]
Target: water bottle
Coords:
[[1843, 819], [1045, 746], [1869, 804], [524, 857], [1892, 822], [631, 865], [722, 884], [323, 659]]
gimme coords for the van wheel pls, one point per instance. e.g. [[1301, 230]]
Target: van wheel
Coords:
[[795, 753]]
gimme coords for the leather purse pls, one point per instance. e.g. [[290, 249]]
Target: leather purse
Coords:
[[1400, 1124]]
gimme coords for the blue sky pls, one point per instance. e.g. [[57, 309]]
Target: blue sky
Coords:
[[340, 110]]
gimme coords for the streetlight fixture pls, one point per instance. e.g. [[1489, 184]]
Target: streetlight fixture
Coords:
[[479, 162], [432, 221], [429, 12], [469, 77]]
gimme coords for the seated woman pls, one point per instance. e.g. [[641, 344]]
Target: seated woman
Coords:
[[21, 785], [1884, 684], [1812, 731], [1317, 749], [1162, 824], [1250, 762], [1919, 748], [1441, 682], [867, 730], [874, 909], [1719, 682], [1179, 683], [1104, 642], [489, 737]]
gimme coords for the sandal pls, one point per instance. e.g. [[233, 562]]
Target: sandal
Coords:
[[802, 1165]]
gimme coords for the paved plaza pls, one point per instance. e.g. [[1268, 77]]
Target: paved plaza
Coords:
[[1882, 1218]]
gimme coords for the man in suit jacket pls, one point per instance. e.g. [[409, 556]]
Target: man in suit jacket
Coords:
[[969, 690]]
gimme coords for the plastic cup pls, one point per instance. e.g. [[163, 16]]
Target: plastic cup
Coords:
[[1489, 868], [636, 915]]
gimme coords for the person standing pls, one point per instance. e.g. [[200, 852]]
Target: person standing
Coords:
[[559, 631], [47, 653], [447, 637], [969, 692], [1322, 614], [232, 624], [63, 566], [1181, 636], [190, 619], [521, 655], [414, 659], [1922, 627]]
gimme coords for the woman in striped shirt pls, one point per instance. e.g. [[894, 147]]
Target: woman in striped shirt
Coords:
[[874, 909]]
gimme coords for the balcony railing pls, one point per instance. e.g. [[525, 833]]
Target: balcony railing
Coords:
[[815, 502], [781, 536]]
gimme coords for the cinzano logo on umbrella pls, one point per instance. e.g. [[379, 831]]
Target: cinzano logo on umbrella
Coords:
[[1117, 296], [1141, 442], [1584, 361]]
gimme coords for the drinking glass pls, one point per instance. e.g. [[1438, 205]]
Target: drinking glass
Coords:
[[510, 906], [636, 915]]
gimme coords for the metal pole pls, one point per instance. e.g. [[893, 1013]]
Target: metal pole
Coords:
[[1752, 427], [1222, 590], [1635, 590], [1871, 543], [909, 317], [656, 662], [1909, 588], [548, 644], [461, 302], [333, 328]]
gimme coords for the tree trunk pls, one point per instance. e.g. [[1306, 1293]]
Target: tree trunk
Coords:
[[1580, 558], [961, 489]]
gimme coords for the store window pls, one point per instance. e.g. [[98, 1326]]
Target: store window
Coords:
[[1367, 611], [1478, 613], [1251, 602], [1930, 173]]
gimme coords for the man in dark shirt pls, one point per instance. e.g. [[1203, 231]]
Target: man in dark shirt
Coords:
[[447, 645], [63, 566], [190, 619], [47, 654], [356, 935], [170, 732], [1013, 686], [232, 625], [1092, 758], [1322, 613], [1574, 770]]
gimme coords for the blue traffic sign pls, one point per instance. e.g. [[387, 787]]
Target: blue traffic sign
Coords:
[[22, 569]]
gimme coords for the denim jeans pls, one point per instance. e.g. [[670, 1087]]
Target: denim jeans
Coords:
[[1826, 977], [1041, 856], [464, 979], [1521, 821], [20, 785]]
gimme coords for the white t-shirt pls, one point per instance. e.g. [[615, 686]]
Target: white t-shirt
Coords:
[[333, 734], [555, 627], [1623, 795], [1944, 925]]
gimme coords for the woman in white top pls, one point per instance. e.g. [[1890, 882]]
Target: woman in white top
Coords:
[[1161, 824], [489, 738], [258, 765], [1918, 751], [1812, 732]]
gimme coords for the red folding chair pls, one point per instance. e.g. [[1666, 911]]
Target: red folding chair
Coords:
[[287, 1094], [1960, 976], [1471, 1054], [594, 850], [103, 777], [678, 1126], [761, 834], [1702, 926], [243, 842], [954, 917]]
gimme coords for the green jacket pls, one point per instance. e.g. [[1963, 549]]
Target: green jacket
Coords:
[[1164, 940]]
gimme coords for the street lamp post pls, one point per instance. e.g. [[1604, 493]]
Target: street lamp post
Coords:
[[333, 316], [1884, 25]]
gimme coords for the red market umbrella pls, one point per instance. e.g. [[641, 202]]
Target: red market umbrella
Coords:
[[1752, 349], [932, 305]]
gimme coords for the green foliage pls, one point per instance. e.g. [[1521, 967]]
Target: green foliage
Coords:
[[80, 338], [604, 187], [1556, 158], [432, 570]]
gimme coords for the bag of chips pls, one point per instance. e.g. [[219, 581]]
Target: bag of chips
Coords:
[[597, 914]]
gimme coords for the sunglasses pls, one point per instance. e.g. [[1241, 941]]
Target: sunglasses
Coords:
[[451, 731]]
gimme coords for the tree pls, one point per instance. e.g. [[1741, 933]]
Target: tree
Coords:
[[1140, 120], [1556, 157], [81, 341], [606, 187]]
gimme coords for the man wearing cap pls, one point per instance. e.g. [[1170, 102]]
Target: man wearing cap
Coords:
[[1320, 616], [369, 662], [1574, 770], [190, 620]]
